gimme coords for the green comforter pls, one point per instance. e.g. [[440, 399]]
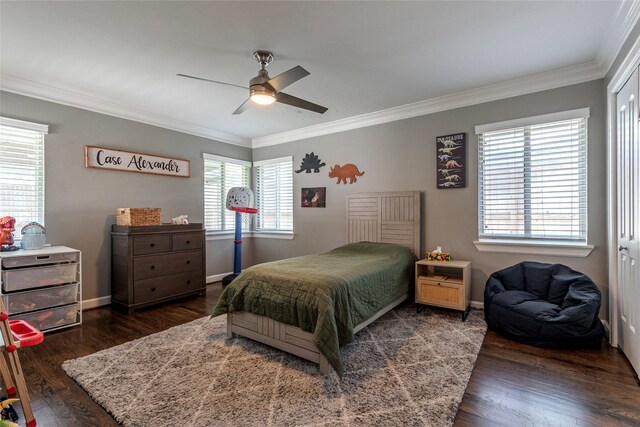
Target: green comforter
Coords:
[[326, 294]]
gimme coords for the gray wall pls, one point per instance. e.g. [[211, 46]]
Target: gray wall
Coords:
[[80, 203], [401, 156]]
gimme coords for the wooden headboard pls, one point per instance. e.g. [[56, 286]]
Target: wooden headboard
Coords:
[[392, 217]]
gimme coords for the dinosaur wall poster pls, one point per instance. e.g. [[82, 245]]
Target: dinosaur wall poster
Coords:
[[451, 161], [315, 197], [310, 162]]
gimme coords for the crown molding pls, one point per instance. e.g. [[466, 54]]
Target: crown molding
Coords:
[[522, 86], [623, 22], [103, 106], [620, 27]]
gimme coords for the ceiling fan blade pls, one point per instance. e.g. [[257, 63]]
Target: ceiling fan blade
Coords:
[[210, 81], [300, 103], [246, 104], [287, 78]]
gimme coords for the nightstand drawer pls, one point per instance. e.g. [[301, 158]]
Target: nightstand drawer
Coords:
[[440, 293]]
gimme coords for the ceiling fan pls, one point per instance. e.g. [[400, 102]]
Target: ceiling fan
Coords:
[[265, 90]]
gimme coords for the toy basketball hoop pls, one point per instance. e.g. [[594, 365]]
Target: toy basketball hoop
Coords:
[[240, 200]]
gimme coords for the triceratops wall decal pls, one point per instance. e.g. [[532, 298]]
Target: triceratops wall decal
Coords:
[[349, 171], [310, 162]]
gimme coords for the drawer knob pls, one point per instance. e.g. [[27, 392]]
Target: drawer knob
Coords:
[[188, 261], [188, 282], [153, 245], [153, 289], [439, 284], [153, 267], [188, 241]]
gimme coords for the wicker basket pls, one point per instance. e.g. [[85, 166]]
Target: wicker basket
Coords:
[[139, 216]]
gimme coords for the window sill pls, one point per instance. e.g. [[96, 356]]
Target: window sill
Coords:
[[223, 235], [286, 235], [534, 248]]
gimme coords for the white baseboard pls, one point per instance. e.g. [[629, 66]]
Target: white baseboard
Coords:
[[477, 304], [217, 277], [96, 302], [88, 304]]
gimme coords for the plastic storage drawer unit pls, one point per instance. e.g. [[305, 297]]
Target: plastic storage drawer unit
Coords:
[[19, 302], [41, 259], [51, 318], [24, 278]]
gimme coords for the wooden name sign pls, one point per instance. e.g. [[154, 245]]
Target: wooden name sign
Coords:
[[129, 161]]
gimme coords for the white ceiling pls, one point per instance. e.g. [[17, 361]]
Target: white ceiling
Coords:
[[363, 57]]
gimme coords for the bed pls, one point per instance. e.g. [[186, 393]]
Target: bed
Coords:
[[312, 305]]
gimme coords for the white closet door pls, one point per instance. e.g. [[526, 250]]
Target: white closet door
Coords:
[[628, 189]]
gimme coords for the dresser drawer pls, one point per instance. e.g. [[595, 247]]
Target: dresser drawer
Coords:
[[440, 293], [143, 245], [162, 265], [187, 241], [166, 286]]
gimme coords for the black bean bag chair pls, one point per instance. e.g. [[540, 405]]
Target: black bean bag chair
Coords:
[[545, 305]]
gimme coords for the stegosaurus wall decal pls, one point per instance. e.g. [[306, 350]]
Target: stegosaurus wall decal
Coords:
[[311, 162]]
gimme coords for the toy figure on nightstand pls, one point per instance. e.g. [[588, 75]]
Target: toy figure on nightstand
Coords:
[[7, 225]]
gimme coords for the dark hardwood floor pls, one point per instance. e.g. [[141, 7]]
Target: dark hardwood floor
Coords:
[[511, 384]]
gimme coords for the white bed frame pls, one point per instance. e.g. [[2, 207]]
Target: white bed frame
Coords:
[[392, 217]]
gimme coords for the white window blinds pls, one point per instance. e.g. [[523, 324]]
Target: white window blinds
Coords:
[[532, 178], [274, 193], [220, 175], [22, 171]]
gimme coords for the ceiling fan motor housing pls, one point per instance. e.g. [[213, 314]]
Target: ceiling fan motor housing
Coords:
[[258, 85]]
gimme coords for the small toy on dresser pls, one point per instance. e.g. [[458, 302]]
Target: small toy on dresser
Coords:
[[438, 255], [180, 220]]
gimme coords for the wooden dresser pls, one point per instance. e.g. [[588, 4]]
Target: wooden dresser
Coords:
[[155, 264]]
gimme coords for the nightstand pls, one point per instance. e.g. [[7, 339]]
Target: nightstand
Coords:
[[444, 284]]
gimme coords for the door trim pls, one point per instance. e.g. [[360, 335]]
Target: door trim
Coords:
[[620, 77]]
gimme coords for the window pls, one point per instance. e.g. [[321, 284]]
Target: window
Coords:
[[532, 178], [274, 194], [22, 171], [220, 175]]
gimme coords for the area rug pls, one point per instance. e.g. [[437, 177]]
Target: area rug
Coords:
[[404, 369]]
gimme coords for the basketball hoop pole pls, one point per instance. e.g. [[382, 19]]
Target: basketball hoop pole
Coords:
[[237, 245]]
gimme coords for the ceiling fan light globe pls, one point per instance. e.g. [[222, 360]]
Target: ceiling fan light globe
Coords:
[[263, 98], [261, 95]]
